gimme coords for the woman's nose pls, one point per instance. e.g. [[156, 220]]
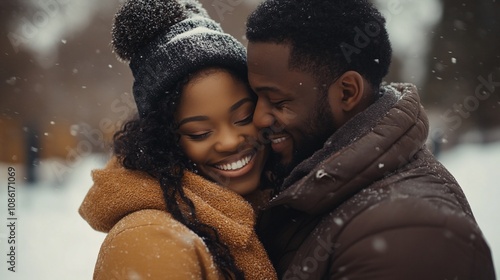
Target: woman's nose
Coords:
[[263, 116], [229, 140]]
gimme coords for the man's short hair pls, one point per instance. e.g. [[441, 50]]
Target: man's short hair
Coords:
[[327, 37]]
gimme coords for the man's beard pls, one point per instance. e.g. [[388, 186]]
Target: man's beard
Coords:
[[321, 127]]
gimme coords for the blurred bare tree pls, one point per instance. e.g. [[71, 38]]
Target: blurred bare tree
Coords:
[[464, 69], [56, 89]]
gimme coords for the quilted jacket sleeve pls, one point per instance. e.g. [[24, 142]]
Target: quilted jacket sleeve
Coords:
[[409, 241]]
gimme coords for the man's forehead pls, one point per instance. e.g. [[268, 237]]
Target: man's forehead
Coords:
[[268, 54]]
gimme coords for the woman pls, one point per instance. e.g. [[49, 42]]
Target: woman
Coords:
[[195, 116]]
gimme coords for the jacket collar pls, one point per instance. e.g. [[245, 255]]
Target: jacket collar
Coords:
[[118, 192], [371, 145]]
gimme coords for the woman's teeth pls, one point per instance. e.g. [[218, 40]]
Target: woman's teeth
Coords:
[[235, 165]]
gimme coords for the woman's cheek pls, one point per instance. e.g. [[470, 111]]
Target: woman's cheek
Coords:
[[252, 130], [196, 151]]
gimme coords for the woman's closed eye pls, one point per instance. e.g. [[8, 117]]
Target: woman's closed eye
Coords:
[[198, 136]]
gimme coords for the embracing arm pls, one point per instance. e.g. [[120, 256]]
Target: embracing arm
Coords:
[[154, 251], [412, 243]]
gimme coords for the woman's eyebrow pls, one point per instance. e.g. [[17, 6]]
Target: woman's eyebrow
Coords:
[[239, 103], [233, 107], [193, 119]]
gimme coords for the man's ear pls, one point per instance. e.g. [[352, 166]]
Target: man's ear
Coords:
[[347, 93]]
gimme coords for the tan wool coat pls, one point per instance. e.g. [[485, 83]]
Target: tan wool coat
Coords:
[[145, 242]]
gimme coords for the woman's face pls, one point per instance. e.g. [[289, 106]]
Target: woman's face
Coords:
[[216, 130]]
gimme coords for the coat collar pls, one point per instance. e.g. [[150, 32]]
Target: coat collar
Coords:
[[118, 192], [373, 144]]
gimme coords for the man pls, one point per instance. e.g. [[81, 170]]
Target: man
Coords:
[[361, 197]]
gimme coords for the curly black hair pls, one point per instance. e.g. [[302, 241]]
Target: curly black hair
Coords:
[[327, 37], [151, 144]]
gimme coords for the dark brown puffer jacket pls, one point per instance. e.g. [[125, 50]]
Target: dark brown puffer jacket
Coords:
[[374, 203]]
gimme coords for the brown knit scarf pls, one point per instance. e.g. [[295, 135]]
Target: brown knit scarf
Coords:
[[118, 192]]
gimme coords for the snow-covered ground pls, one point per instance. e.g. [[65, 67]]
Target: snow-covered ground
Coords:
[[54, 242], [476, 168]]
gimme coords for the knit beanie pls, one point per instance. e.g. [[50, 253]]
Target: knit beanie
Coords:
[[166, 40]]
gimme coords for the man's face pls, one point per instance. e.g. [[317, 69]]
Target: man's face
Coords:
[[292, 109]]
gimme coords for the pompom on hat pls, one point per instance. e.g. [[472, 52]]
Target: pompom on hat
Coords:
[[165, 40]]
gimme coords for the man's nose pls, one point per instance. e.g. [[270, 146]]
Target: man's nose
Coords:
[[263, 116]]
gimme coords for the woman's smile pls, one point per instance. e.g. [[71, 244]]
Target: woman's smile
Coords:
[[237, 165]]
